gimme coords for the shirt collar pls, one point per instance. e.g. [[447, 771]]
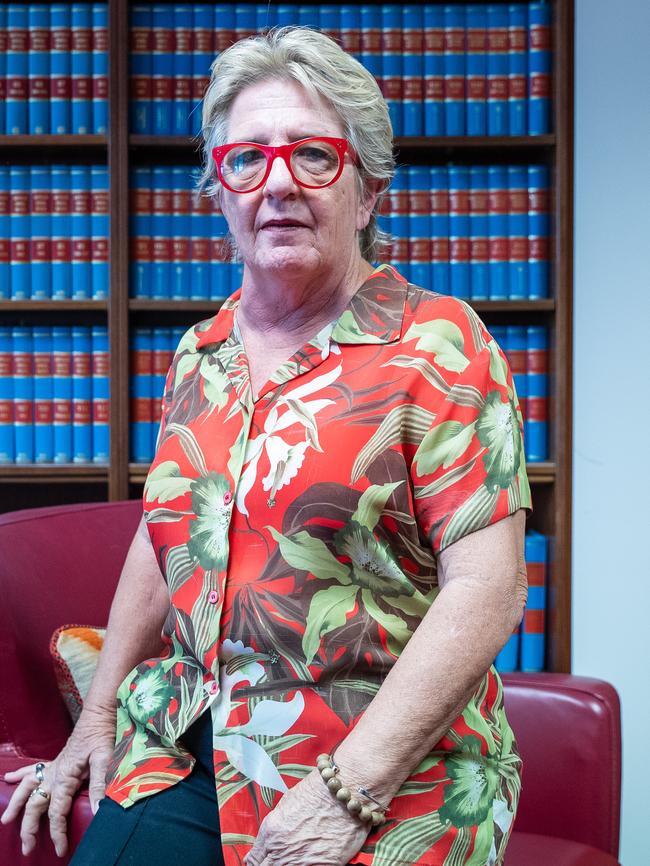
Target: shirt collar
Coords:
[[374, 314]]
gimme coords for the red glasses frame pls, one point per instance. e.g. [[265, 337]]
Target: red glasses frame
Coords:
[[283, 151]]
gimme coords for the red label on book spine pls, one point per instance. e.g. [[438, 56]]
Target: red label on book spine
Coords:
[[141, 40], [17, 40], [60, 87], [163, 87], [101, 411], [162, 248], [5, 364], [518, 249], [141, 409], [538, 200], [41, 201], [419, 201], [458, 250], [434, 88], [39, 88], [434, 40], [498, 249], [62, 364], [536, 573], [141, 249], [5, 202], [19, 251], [222, 39], [454, 87], [400, 249], [81, 86], [454, 40], [161, 360], [6, 412], [538, 249], [219, 249], [99, 249], [19, 202], [161, 201], [181, 201], [81, 412], [517, 87], [4, 251], [82, 39], [140, 200], [517, 39], [497, 38], [42, 364], [537, 408], [476, 41], [199, 86], [391, 40], [439, 249], [419, 249], [80, 201], [60, 39], [370, 40], [40, 249], [413, 89], [202, 41], [99, 201], [60, 201], [476, 87], [392, 87], [181, 249], [537, 360], [80, 364], [200, 250], [517, 360], [62, 411], [100, 39], [23, 412], [534, 621], [540, 85], [479, 249], [16, 87], [140, 87], [458, 201], [498, 201], [43, 412], [100, 87], [439, 199], [478, 202], [60, 250], [80, 249], [540, 37], [351, 41], [497, 87], [182, 88]]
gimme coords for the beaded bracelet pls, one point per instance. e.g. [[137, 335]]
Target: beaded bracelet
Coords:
[[328, 770]]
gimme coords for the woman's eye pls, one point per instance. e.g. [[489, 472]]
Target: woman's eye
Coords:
[[246, 159]]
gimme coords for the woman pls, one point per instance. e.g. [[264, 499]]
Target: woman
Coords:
[[337, 507]]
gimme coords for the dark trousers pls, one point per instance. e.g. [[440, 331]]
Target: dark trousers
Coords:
[[177, 825]]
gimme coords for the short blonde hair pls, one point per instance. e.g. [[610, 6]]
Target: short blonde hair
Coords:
[[321, 66]]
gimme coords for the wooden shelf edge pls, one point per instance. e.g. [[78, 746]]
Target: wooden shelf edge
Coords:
[[69, 472], [53, 142], [546, 305], [197, 306], [42, 306]]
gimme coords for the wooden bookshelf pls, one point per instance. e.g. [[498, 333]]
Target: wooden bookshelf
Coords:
[[37, 485]]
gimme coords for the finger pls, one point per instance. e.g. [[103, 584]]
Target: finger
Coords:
[[60, 806], [18, 799], [97, 780], [35, 807], [13, 776]]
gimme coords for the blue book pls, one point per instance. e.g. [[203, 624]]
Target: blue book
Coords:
[[533, 625], [17, 68], [43, 395], [141, 396], [3, 70], [141, 70], [536, 444], [287, 14], [476, 105], [202, 57], [454, 64], [413, 47], [517, 232], [478, 233], [225, 26], [517, 354], [180, 242], [223, 272], [439, 229], [39, 70], [419, 226], [61, 253], [507, 660], [163, 69], [538, 231], [350, 28], [434, 71], [62, 392], [497, 70], [399, 218], [498, 232], [80, 232], [7, 450], [100, 69], [160, 361], [459, 284], [20, 231], [41, 230], [100, 393], [308, 16], [140, 266], [23, 360], [371, 40], [266, 16], [60, 69], [99, 229], [82, 69], [5, 234], [245, 20], [182, 70], [161, 214], [517, 68], [81, 395], [539, 68], [200, 226], [329, 21], [392, 64]]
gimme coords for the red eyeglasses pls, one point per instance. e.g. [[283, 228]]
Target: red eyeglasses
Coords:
[[314, 163]]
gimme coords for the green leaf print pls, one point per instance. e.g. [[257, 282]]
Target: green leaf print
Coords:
[[328, 610], [185, 364], [444, 339], [371, 504], [211, 498], [474, 782], [152, 693], [423, 366], [409, 840], [165, 482], [311, 554], [498, 431], [373, 564], [347, 330], [473, 514], [398, 632], [215, 384], [482, 842], [498, 370], [443, 446]]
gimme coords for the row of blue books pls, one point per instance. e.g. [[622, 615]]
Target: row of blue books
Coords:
[[54, 394], [53, 68], [525, 649], [54, 232], [472, 69]]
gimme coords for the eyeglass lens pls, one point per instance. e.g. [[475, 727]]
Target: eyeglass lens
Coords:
[[314, 163]]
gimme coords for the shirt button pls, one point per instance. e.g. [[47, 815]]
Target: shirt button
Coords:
[[213, 596], [227, 497]]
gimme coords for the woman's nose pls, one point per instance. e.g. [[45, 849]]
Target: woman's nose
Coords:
[[280, 182]]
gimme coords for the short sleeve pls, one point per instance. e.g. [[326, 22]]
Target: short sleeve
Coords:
[[469, 469]]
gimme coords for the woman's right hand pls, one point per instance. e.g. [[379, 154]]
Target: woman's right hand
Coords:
[[84, 756]]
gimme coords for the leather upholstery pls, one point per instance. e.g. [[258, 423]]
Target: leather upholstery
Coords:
[[61, 565]]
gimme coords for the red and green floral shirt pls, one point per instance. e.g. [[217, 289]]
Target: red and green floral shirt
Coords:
[[298, 535]]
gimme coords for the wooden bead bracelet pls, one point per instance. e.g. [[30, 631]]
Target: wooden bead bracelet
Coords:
[[329, 772]]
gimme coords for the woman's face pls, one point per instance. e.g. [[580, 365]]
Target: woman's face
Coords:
[[323, 237]]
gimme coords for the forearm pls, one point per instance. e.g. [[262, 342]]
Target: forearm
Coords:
[[133, 633]]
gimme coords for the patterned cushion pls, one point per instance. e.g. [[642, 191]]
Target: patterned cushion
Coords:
[[75, 651]]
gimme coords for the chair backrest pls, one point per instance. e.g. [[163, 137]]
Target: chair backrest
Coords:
[[58, 566], [569, 733]]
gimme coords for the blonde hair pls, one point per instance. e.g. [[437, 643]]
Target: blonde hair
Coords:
[[321, 66]]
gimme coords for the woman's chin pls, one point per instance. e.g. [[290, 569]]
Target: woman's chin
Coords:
[[287, 257]]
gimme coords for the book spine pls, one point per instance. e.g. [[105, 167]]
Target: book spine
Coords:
[[434, 71], [200, 246], [476, 105], [497, 70], [141, 70], [100, 394], [17, 70], [307, 16], [371, 41], [80, 232], [7, 450], [3, 66], [41, 231], [330, 21], [498, 229], [517, 68], [141, 394], [161, 207], [400, 222], [140, 232], [392, 67], [43, 396], [419, 229], [350, 27], [38, 65], [225, 26], [459, 231], [182, 70], [539, 68], [82, 69], [517, 342], [5, 235], [518, 232], [221, 270], [62, 393], [413, 83], [99, 229], [202, 57], [245, 21], [61, 230], [99, 62], [538, 231], [479, 251], [439, 202], [537, 369], [287, 15], [81, 395], [454, 65], [160, 362], [384, 222], [508, 659], [19, 225], [180, 242], [60, 69], [533, 626], [23, 376], [162, 69]]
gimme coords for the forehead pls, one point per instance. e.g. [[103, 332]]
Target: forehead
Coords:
[[278, 109]]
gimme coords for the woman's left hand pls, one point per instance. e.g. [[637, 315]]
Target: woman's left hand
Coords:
[[308, 826]]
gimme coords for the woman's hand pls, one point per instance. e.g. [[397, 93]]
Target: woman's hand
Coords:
[[85, 755], [308, 826]]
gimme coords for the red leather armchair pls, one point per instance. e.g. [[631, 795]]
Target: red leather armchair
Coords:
[[60, 565]]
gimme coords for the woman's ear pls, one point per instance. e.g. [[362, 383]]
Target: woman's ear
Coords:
[[373, 189]]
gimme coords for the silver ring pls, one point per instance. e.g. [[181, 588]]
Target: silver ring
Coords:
[[38, 769], [40, 791]]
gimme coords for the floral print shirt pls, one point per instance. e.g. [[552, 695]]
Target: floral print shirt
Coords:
[[298, 535]]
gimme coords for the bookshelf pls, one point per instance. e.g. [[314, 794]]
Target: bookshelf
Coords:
[[23, 486]]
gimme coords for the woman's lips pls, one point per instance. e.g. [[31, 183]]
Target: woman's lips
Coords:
[[284, 226]]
